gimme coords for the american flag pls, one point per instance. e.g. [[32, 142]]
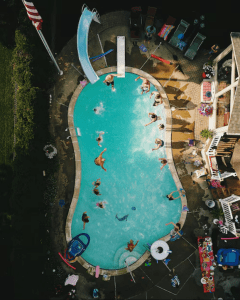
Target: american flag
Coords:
[[33, 14]]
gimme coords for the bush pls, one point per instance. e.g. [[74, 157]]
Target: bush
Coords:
[[205, 133]]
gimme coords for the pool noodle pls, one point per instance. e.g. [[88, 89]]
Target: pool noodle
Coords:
[[232, 238], [97, 271], [66, 261], [100, 55], [161, 59]]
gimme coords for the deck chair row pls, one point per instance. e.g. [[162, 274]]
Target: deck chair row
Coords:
[[195, 44]]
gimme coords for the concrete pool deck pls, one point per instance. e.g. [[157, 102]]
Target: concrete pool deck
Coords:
[[183, 90]]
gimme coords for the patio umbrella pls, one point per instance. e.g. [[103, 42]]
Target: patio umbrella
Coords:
[[235, 161]]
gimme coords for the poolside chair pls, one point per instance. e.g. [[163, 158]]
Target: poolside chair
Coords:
[[194, 46], [150, 16], [182, 28]]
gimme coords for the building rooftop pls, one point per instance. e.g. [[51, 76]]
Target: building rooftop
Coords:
[[234, 124]]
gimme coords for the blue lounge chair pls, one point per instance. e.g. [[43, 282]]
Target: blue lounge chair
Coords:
[[194, 46], [181, 29]]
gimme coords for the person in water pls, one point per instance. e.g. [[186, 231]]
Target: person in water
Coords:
[[170, 196], [159, 144], [96, 191], [97, 182], [131, 246], [85, 219], [145, 84], [99, 161], [153, 118], [99, 109], [157, 99], [99, 139], [109, 79], [161, 126], [163, 161], [101, 204]]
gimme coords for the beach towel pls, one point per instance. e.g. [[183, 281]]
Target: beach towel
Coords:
[[72, 280], [164, 32]]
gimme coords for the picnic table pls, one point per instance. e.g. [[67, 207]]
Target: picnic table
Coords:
[[206, 255]]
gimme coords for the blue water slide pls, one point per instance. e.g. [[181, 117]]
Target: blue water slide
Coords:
[[82, 44]]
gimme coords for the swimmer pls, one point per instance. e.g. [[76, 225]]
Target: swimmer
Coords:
[[100, 204], [153, 117], [161, 126], [159, 143], [163, 161], [181, 193], [97, 182], [96, 191], [158, 99], [145, 84], [99, 139], [109, 79], [99, 161], [131, 246], [99, 109], [85, 218]]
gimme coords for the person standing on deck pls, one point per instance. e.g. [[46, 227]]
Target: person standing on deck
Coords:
[[149, 32], [110, 80]]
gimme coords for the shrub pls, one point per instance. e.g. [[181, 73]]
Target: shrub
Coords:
[[205, 133]]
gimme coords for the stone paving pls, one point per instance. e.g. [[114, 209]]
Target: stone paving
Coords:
[[183, 91]]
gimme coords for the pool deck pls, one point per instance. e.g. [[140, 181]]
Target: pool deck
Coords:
[[183, 91]]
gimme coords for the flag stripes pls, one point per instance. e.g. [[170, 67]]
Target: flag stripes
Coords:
[[33, 14]]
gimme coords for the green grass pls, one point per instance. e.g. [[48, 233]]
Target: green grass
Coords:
[[6, 106]]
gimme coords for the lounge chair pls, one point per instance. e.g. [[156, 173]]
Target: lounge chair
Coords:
[[182, 28], [150, 16], [194, 46], [135, 25]]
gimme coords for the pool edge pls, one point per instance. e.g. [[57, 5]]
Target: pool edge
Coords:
[[76, 148]]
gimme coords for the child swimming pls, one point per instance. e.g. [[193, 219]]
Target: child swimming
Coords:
[[99, 109]]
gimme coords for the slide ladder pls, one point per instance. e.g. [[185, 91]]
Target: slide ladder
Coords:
[[82, 42], [121, 55]]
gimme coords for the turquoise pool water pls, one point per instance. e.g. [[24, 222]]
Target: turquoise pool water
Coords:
[[133, 177]]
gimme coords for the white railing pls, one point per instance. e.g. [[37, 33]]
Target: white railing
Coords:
[[212, 152], [226, 206], [215, 174]]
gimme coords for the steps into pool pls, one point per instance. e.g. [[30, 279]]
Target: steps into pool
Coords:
[[122, 255]]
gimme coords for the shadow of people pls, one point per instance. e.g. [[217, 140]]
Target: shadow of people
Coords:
[[179, 145], [180, 122]]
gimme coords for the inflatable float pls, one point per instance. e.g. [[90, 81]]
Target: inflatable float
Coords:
[[76, 247]]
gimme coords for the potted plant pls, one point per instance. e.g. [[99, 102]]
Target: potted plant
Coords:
[[217, 213], [206, 109], [205, 133]]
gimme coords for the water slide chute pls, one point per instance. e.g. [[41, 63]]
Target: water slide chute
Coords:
[[82, 42]]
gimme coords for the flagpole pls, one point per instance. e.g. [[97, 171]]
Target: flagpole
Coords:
[[40, 33], [49, 51]]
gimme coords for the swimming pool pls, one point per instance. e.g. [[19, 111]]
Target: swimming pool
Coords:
[[133, 178]]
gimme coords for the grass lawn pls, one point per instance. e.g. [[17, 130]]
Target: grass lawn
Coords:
[[6, 106]]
